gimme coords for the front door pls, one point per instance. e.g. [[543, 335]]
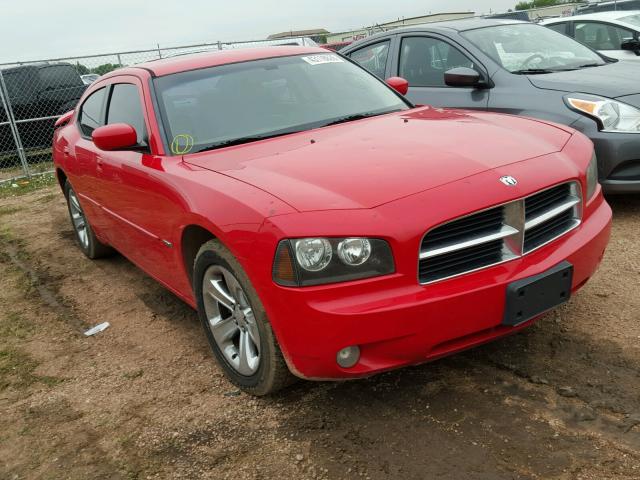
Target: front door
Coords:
[[423, 61], [140, 205]]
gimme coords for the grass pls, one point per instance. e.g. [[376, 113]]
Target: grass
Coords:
[[133, 375], [13, 325], [17, 370], [17, 188], [8, 210]]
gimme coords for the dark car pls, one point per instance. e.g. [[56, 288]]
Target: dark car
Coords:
[[38, 92], [524, 69]]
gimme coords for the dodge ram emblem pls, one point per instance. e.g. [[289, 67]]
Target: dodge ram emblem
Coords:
[[509, 181]]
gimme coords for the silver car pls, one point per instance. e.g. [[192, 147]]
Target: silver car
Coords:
[[614, 34]]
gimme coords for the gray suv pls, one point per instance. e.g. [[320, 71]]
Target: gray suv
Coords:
[[523, 69]]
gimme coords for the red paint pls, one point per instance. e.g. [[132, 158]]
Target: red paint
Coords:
[[64, 119], [392, 177], [117, 136], [399, 84]]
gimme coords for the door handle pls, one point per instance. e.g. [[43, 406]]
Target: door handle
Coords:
[[99, 163], [65, 150]]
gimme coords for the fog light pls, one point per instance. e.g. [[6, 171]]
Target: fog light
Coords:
[[348, 357]]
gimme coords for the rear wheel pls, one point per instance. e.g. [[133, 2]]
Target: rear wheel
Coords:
[[236, 324], [87, 241]]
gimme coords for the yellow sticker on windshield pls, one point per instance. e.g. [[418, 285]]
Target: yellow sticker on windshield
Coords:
[[182, 144]]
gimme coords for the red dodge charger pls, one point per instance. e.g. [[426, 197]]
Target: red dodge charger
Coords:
[[321, 225]]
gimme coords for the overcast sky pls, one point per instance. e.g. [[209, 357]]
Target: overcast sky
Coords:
[[40, 29]]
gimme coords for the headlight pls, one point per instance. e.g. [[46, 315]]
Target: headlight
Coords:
[[592, 176], [313, 254], [354, 251], [313, 261], [612, 116]]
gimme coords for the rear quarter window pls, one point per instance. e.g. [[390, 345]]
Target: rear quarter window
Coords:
[[558, 27], [91, 112]]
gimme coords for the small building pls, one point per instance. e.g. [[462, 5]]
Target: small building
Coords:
[[354, 35], [540, 13]]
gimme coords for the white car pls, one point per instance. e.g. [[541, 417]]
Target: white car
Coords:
[[89, 78], [614, 34]]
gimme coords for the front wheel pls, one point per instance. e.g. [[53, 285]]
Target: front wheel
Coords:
[[236, 324]]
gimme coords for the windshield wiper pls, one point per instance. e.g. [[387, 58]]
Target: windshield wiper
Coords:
[[532, 71], [357, 116], [589, 65], [243, 140]]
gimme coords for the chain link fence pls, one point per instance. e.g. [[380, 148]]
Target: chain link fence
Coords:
[[34, 94]]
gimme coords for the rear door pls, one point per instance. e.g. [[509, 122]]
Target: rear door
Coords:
[[605, 38], [83, 172], [423, 60]]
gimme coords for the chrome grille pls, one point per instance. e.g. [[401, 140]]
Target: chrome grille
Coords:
[[499, 234], [550, 214]]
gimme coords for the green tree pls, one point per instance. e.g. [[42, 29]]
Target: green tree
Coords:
[[105, 68], [524, 5], [82, 70]]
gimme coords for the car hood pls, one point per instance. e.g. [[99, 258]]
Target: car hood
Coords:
[[366, 163], [612, 80]]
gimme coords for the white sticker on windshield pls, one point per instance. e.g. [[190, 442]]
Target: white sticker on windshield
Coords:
[[322, 58]]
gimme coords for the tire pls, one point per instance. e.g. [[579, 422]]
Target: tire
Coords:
[[85, 238], [236, 324]]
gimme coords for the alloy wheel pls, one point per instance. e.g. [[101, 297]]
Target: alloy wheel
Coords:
[[231, 320], [78, 219]]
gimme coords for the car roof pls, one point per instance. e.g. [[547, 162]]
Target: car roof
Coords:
[[444, 27], [469, 23], [216, 58], [612, 16], [31, 66]]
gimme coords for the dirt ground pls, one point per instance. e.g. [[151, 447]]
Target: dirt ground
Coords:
[[144, 399]]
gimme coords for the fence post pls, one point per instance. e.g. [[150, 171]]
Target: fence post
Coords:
[[6, 103]]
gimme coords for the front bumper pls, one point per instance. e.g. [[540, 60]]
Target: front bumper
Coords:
[[618, 157], [397, 325]]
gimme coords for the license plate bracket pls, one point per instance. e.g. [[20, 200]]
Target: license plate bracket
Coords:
[[533, 296]]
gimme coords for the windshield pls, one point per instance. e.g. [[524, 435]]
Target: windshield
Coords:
[[631, 20], [528, 48], [236, 103]]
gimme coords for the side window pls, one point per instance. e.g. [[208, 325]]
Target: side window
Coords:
[[90, 116], [125, 106], [373, 58], [559, 27], [424, 60], [601, 36]]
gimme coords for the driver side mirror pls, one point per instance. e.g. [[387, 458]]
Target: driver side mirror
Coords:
[[117, 136], [463, 77], [632, 45], [399, 84]]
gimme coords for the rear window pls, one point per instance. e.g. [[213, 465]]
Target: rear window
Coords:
[[59, 76]]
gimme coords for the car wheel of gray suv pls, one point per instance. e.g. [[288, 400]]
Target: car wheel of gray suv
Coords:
[[236, 324]]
